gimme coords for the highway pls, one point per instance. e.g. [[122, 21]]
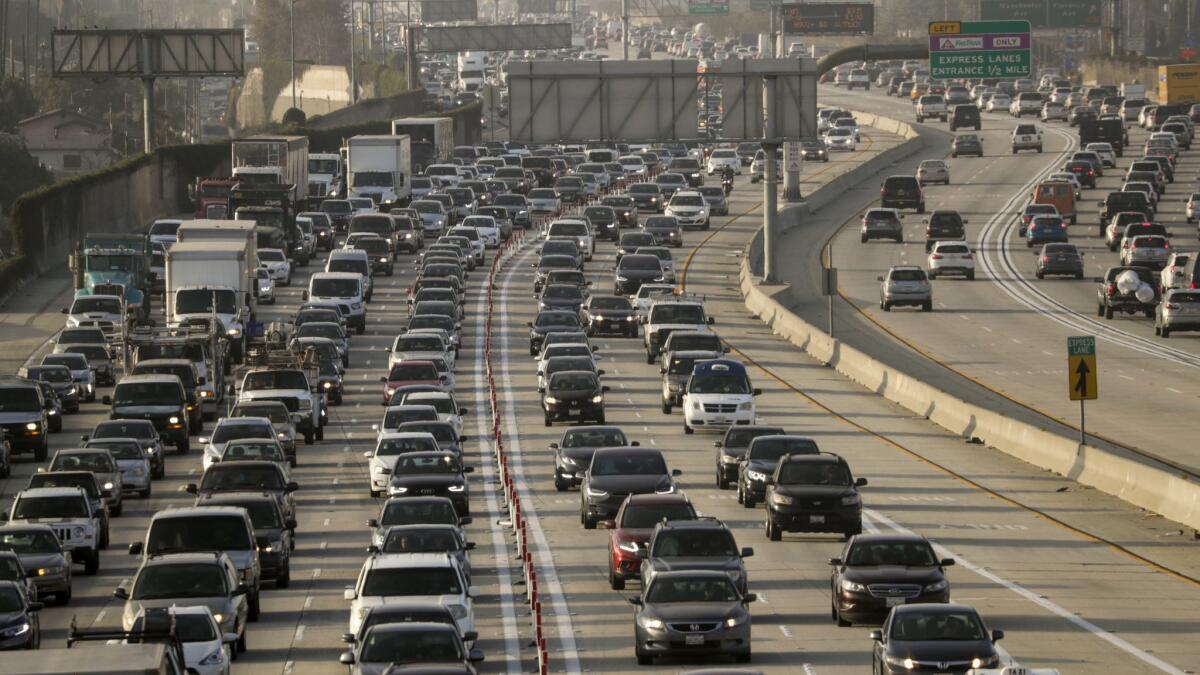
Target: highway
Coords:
[[1078, 580], [1007, 329]]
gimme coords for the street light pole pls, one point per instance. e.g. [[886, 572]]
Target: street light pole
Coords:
[[292, 45]]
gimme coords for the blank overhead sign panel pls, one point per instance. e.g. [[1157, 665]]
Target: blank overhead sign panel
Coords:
[[433, 11], [148, 53], [828, 18], [597, 100], [741, 84], [543, 6], [499, 38]]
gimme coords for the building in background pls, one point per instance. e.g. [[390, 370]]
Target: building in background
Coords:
[[68, 143]]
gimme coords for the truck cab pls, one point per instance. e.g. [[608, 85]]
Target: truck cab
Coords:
[[104, 263]]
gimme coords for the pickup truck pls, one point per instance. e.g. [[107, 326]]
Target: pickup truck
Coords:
[[932, 105], [1026, 137], [290, 386], [1110, 299]]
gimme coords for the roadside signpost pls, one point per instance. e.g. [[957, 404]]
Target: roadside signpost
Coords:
[[975, 49], [1082, 374]]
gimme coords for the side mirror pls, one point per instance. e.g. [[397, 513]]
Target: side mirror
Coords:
[[877, 635], [878, 278], [997, 635], [608, 524], [372, 523], [304, 295], [947, 562], [349, 594], [635, 444], [605, 388], [747, 551], [381, 379], [965, 221], [711, 320], [135, 548], [106, 399], [202, 440], [350, 639], [468, 469], [64, 310], [676, 472], [36, 606], [464, 411], [635, 601], [600, 371], [662, 371], [835, 562], [749, 598], [373, 550], [860, 482], [473, 592], [229, 638], [757, 392], [293, 486], [120, 593], [191, 488], [242, 589], [346, 658], [475, 655], [290, 523]]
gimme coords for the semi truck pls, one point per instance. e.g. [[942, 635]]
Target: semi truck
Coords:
[[1179, 83], [212, 197], [324, 170], [114, 264], [431, 139], [273, 160], [272, 208], [379, 167], [207, 278]]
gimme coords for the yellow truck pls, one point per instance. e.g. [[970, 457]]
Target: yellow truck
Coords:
[[1179, 83]]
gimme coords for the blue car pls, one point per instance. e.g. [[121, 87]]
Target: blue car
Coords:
[[1046, 230]]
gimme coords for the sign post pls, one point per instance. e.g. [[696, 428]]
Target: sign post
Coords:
[[977, 49], [1082, 374], [793, 156]]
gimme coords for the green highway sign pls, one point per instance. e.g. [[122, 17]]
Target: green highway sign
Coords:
[[961, 49], [708, 6], [1081, 345], [1045, 13]]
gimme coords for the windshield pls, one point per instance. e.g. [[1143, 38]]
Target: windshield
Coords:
[[413, 370], [105, 305], [399, 446], [93, 353], [719, 384], [408, 512], [691, 590], [939, 625], [773, 449], [120, 449], [426, 464], [563, 291], [275, 379], [109, 263], [336, 207], [230, 477], [188, 627], [906, 553], [638, 463], [814, 473], [594, 438], [11, 599], [339, 288], [694, 544], [639, 262], [688, 314], [412, 581], [147, 393], [200, 580], [570, 381], [90, 461], [200, 301], [439, 540], [252, 451], [50, 508], [50, 374], [395, 647], [198, 533], [30, 542], [556, 319], [426, 207]]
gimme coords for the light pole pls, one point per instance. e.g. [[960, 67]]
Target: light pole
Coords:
[[292, 45]]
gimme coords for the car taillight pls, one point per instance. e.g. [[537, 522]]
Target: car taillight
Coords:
[[1045, 258], [1170, 305], [1112, 289], [936, 256], [967, 256]]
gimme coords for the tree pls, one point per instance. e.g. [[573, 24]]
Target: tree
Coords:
[[19, 171], [321, 34], [16, 103]]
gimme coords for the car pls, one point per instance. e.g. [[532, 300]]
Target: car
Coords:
[[964, 115], [277, 265], [1178, 311], [99, 462], [415, 646], [43, 557], [718, 394], [82, 375], [813, 493], [431, 577], [561, 297], [405, 613], [1175, 272], [194, 579], [1146, 250], [274, 534], [699, 543], [1059, 259], [932, 105], [876, 572], [59, 381], [905, 285], [721, 158], [1107, 155], [814, 149], [999, 101], [608, 314], [840, 139], [206, 649], [1079, 115], [933, 636], [410, 510], [951, 257], [12, 569], [1026, 137], [1046, 229], [573, 452], [1119, 289], [230, 429], [573, 392], [966, 144], [1032, 210], [68, 510], [142, 431], [436, 473], [689, 209], [901, 192], [19, 624], [550, 322], [933, 171], [647, 196], [718, 619], [617, 472], [1053, 110], [264, 287], [257, 475], [428, 538], [879, 223]]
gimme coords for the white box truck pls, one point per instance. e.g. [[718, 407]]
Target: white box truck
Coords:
[[431, 139], [379, 167], [211, 276], [272, 160], [202, 229]]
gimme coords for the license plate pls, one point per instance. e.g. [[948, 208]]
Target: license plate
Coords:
[[692, 640], [892, 602], [818, 520], [719, 420]]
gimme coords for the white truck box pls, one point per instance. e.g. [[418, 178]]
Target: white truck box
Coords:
[[379, 167]]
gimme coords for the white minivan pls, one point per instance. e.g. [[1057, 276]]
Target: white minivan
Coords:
[[718, 396]]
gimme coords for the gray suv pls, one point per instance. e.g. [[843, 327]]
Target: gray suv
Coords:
[[905, 285]]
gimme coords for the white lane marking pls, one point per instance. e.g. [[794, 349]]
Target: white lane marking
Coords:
[[308, 602], [100, 616], [299, 637], [288, 667], [1049, 606], [1174, 390], [326, 523], [545, 557], [316, 572], [787, 632], [809, 670], [512, 640]]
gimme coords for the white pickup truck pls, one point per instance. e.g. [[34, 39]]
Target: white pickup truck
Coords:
[[932, 105]]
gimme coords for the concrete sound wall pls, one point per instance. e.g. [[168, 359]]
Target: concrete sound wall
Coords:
[[1133, 478]]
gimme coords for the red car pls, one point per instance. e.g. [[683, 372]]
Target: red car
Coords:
[[631, 531], [410, 372]]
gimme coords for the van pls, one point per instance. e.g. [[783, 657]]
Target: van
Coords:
[[343, 288], [1059, 194], [718, 395], [902, 192], [352, 260]]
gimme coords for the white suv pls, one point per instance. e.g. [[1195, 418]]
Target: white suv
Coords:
[[724, 157], [413, 577], [1026, 137], [689, 208], [68, 511], [951, 256], [343, 288]]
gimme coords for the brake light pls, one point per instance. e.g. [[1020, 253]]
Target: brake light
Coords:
[[936, 256], [1045, 258], [1112, 288], [1170, 306], [967, 256]]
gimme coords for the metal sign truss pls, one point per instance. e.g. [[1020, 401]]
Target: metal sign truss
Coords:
[[494, 38], [148, 53]]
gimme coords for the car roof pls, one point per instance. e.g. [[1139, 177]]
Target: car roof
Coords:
[[52, 492], [934, 608], [150, 377], [213, 557], [403, 560], [654, 498], [193, 511], [722, 366]]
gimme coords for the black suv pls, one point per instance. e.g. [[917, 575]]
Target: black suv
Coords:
[[158, 398], [573, 392], [760, 461], [944, 226], [689, 545], [965, 116], [902, 192], [1111, 297], [23, 417], [813, 493], [731, 450]]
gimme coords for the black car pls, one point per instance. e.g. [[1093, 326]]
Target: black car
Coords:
[[632, 241], [1111, 297], [694, 614], [604, 221], [902, 192], [158, 398], [437, 474], [52, 406], [965, 116], [573, 452], [571, 393], [813, 493], [1059, 260], [760, 461], [142, 431], [647, 197], [943, 225], [59, 379], [945, 638], [554, 261], [24, 418], [669, 183], [561, 296], [625, 207], [272, 532], [340, 211], [879, 571], [19, 625], [556, 321], [262, 476], [616, 473], [419, 647], [697, 544], [635, 269], [1084, 171], [689, 168], [731, 449], [666, 231], [379, 252], [814, 149], [609, 314], [419, 510]]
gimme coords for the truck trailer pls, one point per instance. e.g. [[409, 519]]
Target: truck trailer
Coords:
[[379, 167]]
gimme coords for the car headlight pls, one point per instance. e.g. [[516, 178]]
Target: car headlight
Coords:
[[748, 405], [71, 391], [737, 620], [598, 398], [31, 426], [937, 586], [650, 623], [628, 546], [621, 278], [108, 486], [458, 611], [213, 659], [906, 663], [397, 490], [596, 494], [851, 500], [666, 490], [550, 400], [989, 662], [729, 459], [782, 500], [853, 586], [77, 533], [327, 385], [390, 391], [458, 488], [173, 420], [234, 332], [16, 631], [357, 305]]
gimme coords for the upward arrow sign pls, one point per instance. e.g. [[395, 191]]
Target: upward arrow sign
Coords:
[[1081, 384]]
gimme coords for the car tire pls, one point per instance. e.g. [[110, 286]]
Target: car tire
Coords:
[[643, 659], [932, 275], [615, 582], [588, 523], [971, 275], [284, 580], [744, 658], [1164, 332], [116, 512], [688, 430], [1040, 274], [863, 239], [546, 418], [885, 306], [91, 565], [184, 448], [773, 531], [927, 306], [240, 647], [308, 437], [253, 607], [722, 481], [666, 408], [1108, 312], [64, 598]]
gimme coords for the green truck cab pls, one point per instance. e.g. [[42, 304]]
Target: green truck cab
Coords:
[[103, 262]]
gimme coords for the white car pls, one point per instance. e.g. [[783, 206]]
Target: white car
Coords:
[[633, 166], [689, 208], [420, 346], [951, 257], [206, 650], [486, 226], [444, 402], [381, 461], [277, 264], [393, 577], [841, 139], [1108, 157], [363, 205], [97, 310], [718, 396], [544, 201], [1054, 111], [724, 157], [232, 429], [648, 294], [1174, 274], [999, 102], [575, 229], [264, 288]]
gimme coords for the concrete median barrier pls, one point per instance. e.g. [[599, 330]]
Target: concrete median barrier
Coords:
[[1133, 478]]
